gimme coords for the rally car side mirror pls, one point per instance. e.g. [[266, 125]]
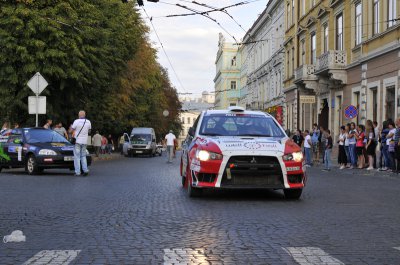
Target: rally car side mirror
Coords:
[[191, 131]]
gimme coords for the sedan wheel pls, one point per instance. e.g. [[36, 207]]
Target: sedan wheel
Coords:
[[31, 165]]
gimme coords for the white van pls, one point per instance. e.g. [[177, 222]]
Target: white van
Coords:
[[142, 141]]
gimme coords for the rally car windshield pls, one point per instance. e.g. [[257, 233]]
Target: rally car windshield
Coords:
[[43, 136], [240, 125]]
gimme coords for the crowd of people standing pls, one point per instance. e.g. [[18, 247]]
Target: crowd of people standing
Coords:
[[368, 146]]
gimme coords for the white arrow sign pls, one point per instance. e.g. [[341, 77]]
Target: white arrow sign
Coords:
[[37, 83]]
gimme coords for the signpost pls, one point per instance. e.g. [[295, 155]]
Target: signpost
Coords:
[[350, 112], [37, 84]]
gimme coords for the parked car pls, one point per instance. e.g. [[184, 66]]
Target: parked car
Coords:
[[236, 148], [142, 141], [36, 149]]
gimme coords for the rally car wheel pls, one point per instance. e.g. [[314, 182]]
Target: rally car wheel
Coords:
[[292, 194], [31, 165], [192, 192]]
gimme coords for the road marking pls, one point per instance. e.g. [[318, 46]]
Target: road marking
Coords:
[[312, 256], [398, 248], [184, 256], [53, 257]]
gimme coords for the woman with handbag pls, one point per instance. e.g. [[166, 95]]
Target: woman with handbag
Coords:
[[391, 145]]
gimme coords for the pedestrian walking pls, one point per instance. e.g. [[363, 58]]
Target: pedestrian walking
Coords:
[[61, 130], [307, 148], [315, 143], [104, 143], [360, 135], [370, 147], [391, 145], [298, 138], [170, 139], [397, 146], [322, 140], [352, 145], [384, 147], [81, 129], [328, 150], [110, 144], [48, 124], [121, 144], [96, 141], [342, 158]]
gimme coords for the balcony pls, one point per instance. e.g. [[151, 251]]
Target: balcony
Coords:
[[233, 94], [333, 64], [305, 77], [305, 72]]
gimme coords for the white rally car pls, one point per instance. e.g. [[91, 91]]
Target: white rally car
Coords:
[[236, 148]]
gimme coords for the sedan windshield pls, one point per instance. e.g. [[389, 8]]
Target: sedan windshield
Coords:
[[240, 125], [43, 136]]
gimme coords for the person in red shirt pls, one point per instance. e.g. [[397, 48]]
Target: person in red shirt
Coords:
[[360, 135]]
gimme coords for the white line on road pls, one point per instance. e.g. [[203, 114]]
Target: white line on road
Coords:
[[398, 248], [184, 256], [53, 257], [312, 256]]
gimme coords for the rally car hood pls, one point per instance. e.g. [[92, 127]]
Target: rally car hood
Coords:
[[53, 146], [250, 144]]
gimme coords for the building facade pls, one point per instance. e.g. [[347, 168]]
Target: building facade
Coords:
[[227, 78], [263, 62], [340, 53]]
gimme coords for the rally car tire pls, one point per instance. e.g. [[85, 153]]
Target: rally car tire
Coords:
[[292, 194], [31, 165], [191, 191]]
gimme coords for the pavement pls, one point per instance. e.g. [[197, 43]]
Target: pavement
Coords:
[[134, 211]]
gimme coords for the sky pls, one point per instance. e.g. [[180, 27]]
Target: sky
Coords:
[[191, 42]]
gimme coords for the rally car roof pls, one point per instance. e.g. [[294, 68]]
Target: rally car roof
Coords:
[[237, 110]]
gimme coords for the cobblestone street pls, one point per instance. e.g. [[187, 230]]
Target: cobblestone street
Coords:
[[134, 211]]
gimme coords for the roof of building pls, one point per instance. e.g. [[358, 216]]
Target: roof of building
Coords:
[[196, 106]]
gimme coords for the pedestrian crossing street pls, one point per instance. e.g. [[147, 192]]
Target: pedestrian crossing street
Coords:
[[300, 255]]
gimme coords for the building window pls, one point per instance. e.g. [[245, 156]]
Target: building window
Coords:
[[358, 23], [303, 52], [293, 12], [183, 120], [292, 60], [313, 48], [233, 61], [288, 63], [233, 85], [326, 35], [313, 3], [339, 32], [392, 14], [303, 7], [376, 17], [188, 120], [289, 17], [232, 104]]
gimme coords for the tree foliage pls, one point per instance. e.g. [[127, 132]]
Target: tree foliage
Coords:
[[95, 56]]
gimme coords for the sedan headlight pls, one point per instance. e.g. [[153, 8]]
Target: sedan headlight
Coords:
[[47, 152], [296, 157], [204, 155]]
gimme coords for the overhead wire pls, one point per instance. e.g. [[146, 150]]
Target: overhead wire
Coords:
[[165, 52]]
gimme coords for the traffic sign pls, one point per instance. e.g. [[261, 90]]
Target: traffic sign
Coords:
[[350, 112], [37, 83], [41, 108]]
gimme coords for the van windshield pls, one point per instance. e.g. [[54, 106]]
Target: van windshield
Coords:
[[141, 137]]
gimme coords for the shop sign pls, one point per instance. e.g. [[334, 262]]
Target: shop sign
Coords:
[[307, 99]]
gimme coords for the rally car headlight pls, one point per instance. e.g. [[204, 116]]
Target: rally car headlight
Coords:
[[296, 157], [47, 152], [204, 155]]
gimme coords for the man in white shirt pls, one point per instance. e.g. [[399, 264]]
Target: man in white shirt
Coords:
[[81, 129], [307, 147], [170, 138]]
